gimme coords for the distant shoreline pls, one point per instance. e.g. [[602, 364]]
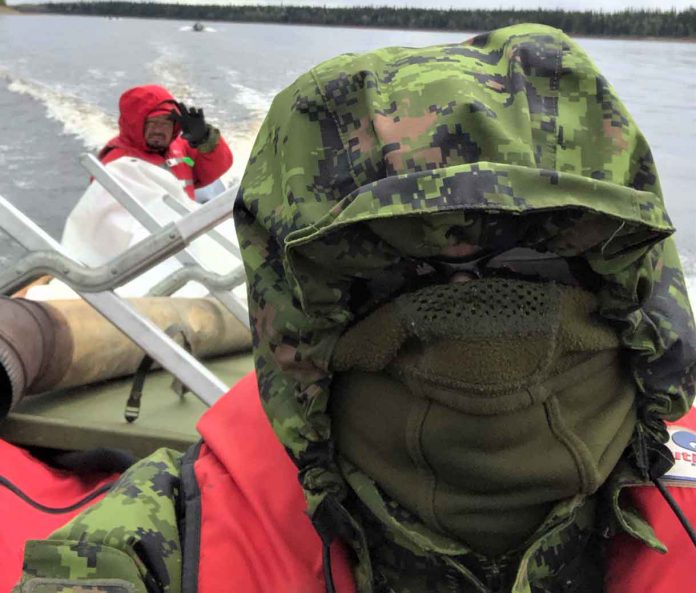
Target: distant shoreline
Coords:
[[648, 38], [646, 25], [426, 30]]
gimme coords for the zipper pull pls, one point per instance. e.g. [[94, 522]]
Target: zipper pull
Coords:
[[494, 577]]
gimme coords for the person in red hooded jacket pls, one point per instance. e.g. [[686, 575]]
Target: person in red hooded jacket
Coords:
[[156, 128]]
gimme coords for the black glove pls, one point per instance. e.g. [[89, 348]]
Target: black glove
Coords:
[[192, 121]]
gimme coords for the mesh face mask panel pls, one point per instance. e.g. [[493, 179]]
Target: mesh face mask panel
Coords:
[[477, 309]]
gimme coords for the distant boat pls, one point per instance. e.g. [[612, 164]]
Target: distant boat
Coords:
[[197, 27]]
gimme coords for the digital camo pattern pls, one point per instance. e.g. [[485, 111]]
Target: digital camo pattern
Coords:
[[369, 165], [70, 586], [563, 556], [128, 542], [365, 168]]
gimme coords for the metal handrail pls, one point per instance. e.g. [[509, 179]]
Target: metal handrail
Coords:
[[229, 300], [186, 274], [155, 342], [131, 263], [214, 234]]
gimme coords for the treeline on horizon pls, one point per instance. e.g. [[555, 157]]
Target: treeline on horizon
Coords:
[[649, 23]]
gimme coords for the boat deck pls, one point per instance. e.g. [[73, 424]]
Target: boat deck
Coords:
[[93, 416]]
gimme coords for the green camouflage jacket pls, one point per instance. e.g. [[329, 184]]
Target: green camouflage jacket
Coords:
[[365, 167], [371, 164]]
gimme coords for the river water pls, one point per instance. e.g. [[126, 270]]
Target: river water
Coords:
[[60, 79]]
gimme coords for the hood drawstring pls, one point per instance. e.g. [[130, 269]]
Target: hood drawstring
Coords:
[[326, 564], [326, 520], [677, 510], [653, 460]]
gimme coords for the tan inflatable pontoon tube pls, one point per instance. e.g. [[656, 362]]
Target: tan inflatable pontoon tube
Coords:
[[46, 346]]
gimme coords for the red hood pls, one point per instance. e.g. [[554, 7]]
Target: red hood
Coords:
[[135, 106]]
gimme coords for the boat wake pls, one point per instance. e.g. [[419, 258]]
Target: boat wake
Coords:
[[79, 117], [171, 70]]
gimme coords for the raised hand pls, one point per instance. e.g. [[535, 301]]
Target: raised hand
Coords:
[[192, 121]]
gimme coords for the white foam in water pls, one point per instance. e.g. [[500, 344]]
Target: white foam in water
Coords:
[[106, 78], [691, 290], [243, 134], [95, 127], [79, 117], [170, 69], [241, 142], [207, 29], [688, 261], [253, 100], [241, 137]]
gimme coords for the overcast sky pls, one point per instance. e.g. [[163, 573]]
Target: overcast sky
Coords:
[[606, 5], [463, 4]]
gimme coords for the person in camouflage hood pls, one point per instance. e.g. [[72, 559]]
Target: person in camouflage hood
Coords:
[[373, 172], [469, 322]]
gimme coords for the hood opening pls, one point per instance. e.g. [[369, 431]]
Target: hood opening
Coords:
[[138, 104]]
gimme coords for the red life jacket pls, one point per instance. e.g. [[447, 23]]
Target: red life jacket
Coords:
[[194, 168], [35, 500], [254, 527], [254, 533], [635, 568], [250, 533]]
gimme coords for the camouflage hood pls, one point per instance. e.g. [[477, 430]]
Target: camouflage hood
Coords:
[[369, 164]]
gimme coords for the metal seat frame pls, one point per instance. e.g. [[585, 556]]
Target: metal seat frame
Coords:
[[96, 285]]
